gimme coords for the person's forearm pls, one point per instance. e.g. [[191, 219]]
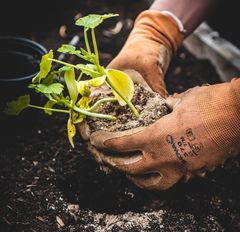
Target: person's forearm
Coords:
[[190, 12]]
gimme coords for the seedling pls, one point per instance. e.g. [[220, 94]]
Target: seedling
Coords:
[[78, 101]]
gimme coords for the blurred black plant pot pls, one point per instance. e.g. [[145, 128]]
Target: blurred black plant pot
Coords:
[[19, 62]]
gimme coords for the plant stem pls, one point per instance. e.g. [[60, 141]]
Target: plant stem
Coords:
[[99, 102], [50, 109], [62, 62], [95, 46], [80, 76], [103, 116], [85, 112], [73, 66], [86, 40], [80, 56], [129, 103]]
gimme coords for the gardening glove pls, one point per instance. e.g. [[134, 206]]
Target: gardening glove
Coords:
[[148, 50], [201, 132]]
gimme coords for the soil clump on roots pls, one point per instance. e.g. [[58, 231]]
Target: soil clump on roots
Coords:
[[150, 105]]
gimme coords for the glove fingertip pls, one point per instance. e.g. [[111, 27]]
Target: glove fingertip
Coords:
[[98, 139], [84, 130], [172, 102]]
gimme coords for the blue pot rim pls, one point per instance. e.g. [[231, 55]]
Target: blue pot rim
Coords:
[[35, 46]]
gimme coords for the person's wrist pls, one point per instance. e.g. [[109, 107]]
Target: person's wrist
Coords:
[[190, 13]]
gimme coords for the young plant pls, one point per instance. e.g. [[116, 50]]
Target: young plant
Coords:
[[77, 103]]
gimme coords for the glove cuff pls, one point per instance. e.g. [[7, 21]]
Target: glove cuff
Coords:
[[222, 100], [160, 27]]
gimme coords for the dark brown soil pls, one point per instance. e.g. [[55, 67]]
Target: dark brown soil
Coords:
[[149, 105], [47, 186]]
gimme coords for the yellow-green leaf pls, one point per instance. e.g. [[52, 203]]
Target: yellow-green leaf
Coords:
[[69, 78], [123, 83], [71, 131], [83, 88], [96, 82], [84, 102], [77, 118], [45, 67], [46, 64]]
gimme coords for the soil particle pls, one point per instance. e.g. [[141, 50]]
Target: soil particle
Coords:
[[150, 105]]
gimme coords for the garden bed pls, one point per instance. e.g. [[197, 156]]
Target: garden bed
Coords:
[[47, 186]]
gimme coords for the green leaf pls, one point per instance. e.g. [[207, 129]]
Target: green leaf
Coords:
[[49, 104], [88, 69], [77, 118], [69, 78], [67, 48], [17, 106], [93, 20], [88, 56], [123, 83], [71, 131], [45, 67], [36, 79], [56, 88], [49, 96], [50, 78], [64, 69], [47, 80], [83, 103]]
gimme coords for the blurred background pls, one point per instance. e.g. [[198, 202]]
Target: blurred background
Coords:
[[19, 17], [52, 22]]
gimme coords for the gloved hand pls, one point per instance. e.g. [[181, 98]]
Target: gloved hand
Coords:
[[201, 132], [149, 48]]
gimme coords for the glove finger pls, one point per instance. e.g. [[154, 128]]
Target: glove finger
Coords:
[[118, 141], [84, 130], [170, 176], [116, 161], [172, 102], [154, 181], [134, 165], [157, 181], [145, 181]]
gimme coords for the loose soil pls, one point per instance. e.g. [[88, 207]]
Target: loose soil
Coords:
[[47, 186], [150, 105]]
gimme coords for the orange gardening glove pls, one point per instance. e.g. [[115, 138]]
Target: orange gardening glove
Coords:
[[149, 48], [201, 132]]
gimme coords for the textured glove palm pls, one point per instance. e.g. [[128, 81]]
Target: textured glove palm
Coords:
[[201, 132]]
